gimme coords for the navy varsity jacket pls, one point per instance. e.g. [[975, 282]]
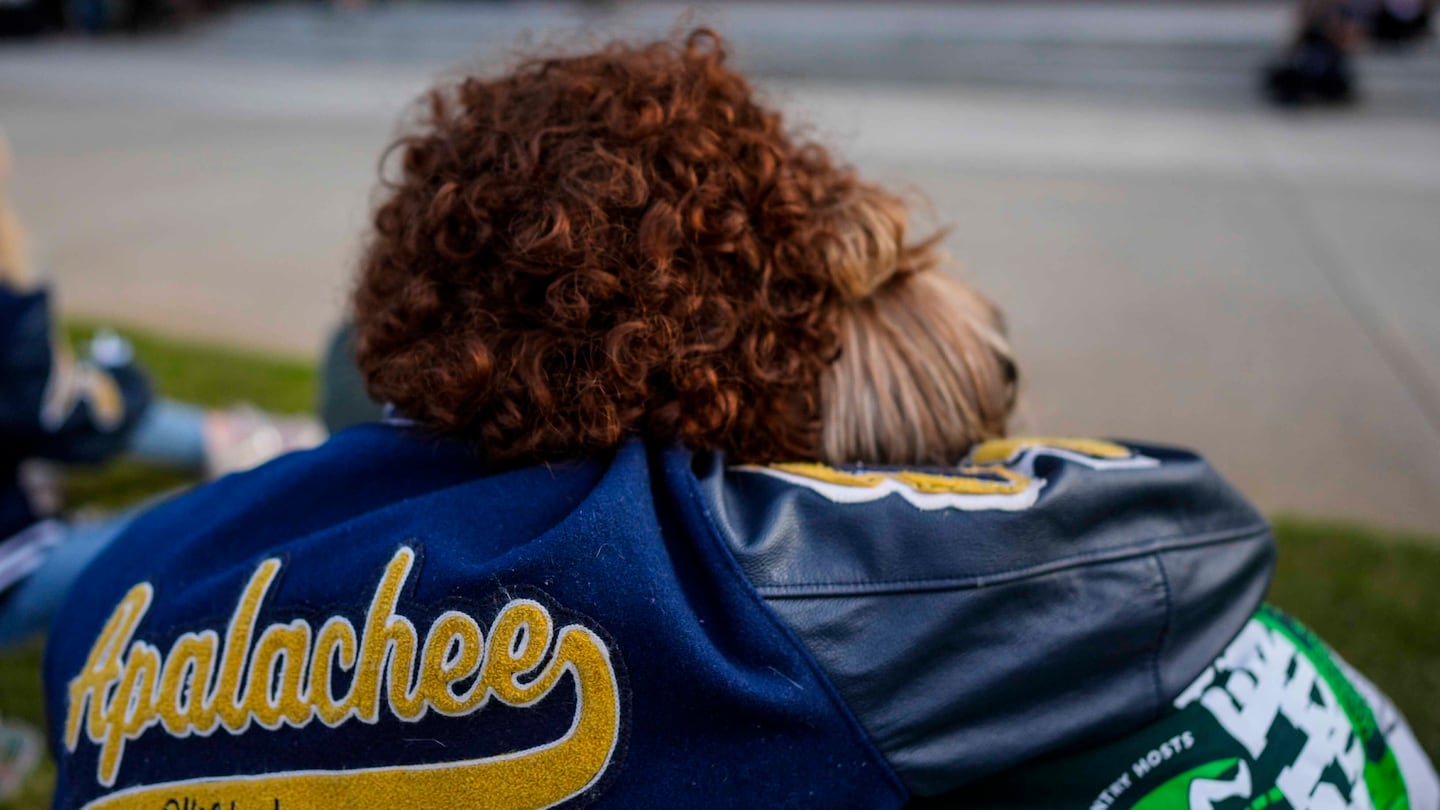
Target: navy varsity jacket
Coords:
[[380, 624], [52, 406]]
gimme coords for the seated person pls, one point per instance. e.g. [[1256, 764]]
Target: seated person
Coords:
[[50, 405], [59, 408], [1317, 63], [695, 494]]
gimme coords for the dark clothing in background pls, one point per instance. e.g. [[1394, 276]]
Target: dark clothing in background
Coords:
[[52, 406], [343, 400]]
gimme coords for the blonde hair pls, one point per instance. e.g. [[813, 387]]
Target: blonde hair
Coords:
[[16, 270], [925, 370]]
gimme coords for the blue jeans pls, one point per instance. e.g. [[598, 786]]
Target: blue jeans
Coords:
[[170, 433], [26, 611]]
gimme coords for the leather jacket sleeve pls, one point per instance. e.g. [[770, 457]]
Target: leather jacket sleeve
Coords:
[[1047, 595]]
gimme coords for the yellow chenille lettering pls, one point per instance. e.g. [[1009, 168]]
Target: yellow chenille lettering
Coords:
[[131, 709], [830, 475], [406, 701], [440, 669], [536, 778], [277, 670], [282, 674], [102, 667], [997, 450], [227, 701], [189, 669], [963, 481], [519, 638], [380, 631], [967, 481], [336, 638]]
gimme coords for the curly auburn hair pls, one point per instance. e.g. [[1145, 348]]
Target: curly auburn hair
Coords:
[[621, 243]]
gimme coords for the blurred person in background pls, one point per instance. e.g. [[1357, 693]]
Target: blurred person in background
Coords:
[[58, 408], [697, 493], [28, 18], [1318, 64]]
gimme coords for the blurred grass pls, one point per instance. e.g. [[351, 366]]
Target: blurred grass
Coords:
[[211, 376], [1374, 595]]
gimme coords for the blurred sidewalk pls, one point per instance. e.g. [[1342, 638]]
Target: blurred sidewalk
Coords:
[[1179, 263]]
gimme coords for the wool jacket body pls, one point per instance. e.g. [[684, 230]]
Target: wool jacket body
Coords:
[[381, 623]]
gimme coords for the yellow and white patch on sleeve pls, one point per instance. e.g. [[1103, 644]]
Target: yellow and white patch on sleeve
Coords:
[[998, 475], [1097, 454], [130, 688], [968, 488]]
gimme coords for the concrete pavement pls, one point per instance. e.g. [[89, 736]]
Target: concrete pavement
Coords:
[[1178, 263]]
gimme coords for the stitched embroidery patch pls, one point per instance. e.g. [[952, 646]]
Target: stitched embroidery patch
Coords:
[[246, 679], [1000, 476]]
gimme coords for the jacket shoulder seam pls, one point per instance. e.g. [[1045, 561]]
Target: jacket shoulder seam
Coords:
[[1164, 635], [1152, 546], [717, 537]]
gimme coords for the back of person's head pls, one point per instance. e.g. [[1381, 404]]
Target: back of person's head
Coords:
[[629, 243]]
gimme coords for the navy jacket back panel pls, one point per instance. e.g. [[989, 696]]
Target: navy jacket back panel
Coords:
[[458, 621]]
